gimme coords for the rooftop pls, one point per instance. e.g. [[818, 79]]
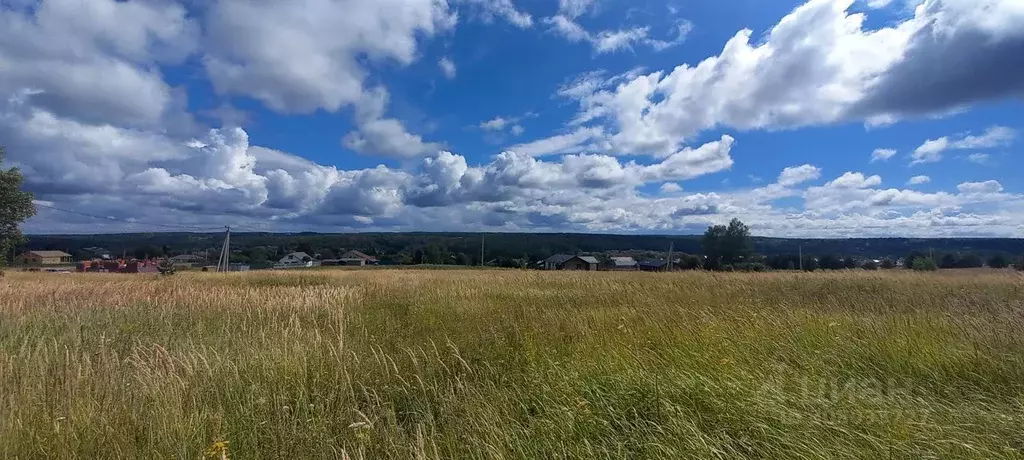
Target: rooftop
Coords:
[[50, 253]]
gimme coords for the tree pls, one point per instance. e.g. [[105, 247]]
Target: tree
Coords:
[[327, 253], [462, 259], [998, 261], [305, 247], [432, 255], [258, 254], [689, 262], [887, 263], [15, 206], [870, 265], [726, 245], [970, 260], [949, 261], [908, 262], [148, 251], [830, 262], [924, 264], [1019, 264], [810, 263]]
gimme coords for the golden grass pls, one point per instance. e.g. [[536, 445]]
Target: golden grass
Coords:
[[511, 364]]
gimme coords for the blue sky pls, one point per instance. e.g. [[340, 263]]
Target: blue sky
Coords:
[[822, 118]]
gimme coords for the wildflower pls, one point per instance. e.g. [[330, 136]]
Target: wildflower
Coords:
[[217, 450]]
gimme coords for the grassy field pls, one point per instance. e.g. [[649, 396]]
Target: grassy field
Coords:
[[510, 364]]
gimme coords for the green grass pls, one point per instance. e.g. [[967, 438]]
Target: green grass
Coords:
[[511, 364]]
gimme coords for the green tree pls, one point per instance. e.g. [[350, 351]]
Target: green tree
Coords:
[[15, 206], [689, 262], [908, 262], [148, 251], [830, 262], [810, 263], [887, 263], [970, 260], [462, 259], [258, 254], [305, 247], [924, 264], [726, 245], [998, 261], [432, 255]]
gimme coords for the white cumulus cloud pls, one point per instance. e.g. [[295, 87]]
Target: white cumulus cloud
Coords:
[[447, 67], [882, 154]]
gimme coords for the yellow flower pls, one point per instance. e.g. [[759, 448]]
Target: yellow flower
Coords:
[[219, 449]]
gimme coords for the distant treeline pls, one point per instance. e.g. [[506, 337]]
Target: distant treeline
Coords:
[[515, 249]]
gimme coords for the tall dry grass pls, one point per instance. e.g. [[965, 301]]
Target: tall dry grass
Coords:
[[509, 364]]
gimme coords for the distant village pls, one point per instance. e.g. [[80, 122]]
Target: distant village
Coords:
[[104, 261]]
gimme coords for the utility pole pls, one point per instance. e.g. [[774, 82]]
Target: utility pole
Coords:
[[482, 238], [671, 246], [225, 253]]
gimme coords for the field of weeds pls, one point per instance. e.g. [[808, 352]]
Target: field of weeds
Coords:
[[511, 364]]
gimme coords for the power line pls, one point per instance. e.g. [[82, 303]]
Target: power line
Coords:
[[178, 226]]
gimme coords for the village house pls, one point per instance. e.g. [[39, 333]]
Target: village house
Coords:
[[37, 258], [99, 253], [187, 259], [294, 260], [570, 262], [622, 263], [653, 265], [355, 258]]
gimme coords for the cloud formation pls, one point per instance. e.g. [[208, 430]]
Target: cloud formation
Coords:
[[882, 154], [918, 180], [297, 57], [817, 66], [931, 150], [565, 23], [447, 67], [88, 113]]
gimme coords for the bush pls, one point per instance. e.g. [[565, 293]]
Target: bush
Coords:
[[998, 261], [870, 265], [888, 264], [925, 264], [750, 267], [1019, 265]]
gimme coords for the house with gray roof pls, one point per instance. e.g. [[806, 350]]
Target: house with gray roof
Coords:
[[570, 262], [653, 265], [622, 263], [295, 260]]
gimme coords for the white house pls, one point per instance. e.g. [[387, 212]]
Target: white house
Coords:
[[294, 260]]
